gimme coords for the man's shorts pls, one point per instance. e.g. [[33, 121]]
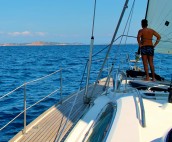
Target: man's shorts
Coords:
[[147, 50]]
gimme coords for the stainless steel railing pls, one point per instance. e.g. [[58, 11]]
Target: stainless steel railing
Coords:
[[143, 119], [24, 104], [24, 86]]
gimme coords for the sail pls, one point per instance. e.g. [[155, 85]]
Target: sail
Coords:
[[159, 16]]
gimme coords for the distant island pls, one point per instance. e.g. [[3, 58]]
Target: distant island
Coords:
[[38, 43]]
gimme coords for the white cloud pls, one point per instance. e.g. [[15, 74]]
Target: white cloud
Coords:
[[26, 33]]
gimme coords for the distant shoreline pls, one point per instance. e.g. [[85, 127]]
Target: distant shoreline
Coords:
[[40, 43]]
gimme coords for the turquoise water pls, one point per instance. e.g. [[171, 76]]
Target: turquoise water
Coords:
[[22, 64]]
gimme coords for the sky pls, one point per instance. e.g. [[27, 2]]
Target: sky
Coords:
[[65, 21]]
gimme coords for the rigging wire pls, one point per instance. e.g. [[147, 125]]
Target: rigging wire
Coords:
[[123, 35], [67, 120], [73, 104], [130, 15], [147, 9], [109, 49], [86, 99], [127, 23], [92, 33]]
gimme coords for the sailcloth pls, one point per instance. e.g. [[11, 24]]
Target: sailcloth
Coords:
[[159, 16]]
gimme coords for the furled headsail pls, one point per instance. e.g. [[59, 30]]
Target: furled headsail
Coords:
[[159, 16]]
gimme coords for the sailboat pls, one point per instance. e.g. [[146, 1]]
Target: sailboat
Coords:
[[121, 107]]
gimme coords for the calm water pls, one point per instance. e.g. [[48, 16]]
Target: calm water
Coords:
[[22, 64]]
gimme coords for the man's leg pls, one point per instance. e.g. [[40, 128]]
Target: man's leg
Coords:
[[150, 60], [145, 64]]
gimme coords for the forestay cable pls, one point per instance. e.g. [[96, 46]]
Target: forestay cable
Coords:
[[123, 35], [86, 99]]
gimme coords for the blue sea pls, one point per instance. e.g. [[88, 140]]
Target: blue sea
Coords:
[[21, 64]]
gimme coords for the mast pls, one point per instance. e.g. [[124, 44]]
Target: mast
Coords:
[[147, 9]]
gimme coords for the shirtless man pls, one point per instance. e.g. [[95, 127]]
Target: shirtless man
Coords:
[[144, 39]]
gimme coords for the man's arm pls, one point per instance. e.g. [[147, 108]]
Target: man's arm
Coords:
[[139, 38], [158, 37]]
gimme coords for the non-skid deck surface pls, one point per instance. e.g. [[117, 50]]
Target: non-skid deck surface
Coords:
[[157, 85], [49, 126]]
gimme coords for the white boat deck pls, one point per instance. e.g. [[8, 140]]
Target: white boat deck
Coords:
[[158, 120], [127, 127], [48, 126], [127, 124]]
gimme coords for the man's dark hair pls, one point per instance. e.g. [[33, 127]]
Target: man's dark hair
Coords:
[[144, 23]]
